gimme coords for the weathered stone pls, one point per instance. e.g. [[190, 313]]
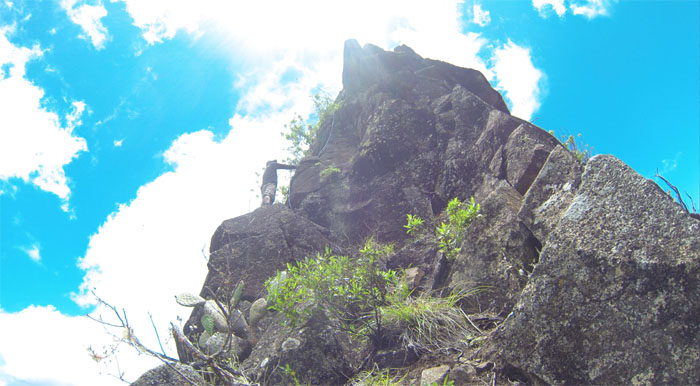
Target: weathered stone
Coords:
[[410, 134], [252, 248], [463, 375], [615, 298], [413, 277], [551, 192], [164, 375], [238, 348], [319, 353], [434, 375], [524, 155], [372, 67], [497, 254], [306, 180], [395, 358]]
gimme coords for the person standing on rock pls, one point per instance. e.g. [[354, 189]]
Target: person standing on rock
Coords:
[[269, 181]]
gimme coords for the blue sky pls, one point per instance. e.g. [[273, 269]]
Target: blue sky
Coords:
[[129, 130]]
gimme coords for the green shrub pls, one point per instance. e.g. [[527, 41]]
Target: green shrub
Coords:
[[450, 235], [352, 290], [329, 171], [413, 223], [583, 152], [301, 133]]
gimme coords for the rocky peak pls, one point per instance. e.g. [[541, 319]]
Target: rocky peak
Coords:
[[370, 67], [590, 272]]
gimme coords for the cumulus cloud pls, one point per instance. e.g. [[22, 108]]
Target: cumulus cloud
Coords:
[[88, 18], [152, 248], [518, 79], [480, 16], [545, 6], [41, 346], [34, 145], [587, 8], [33, 253], [592, 8]]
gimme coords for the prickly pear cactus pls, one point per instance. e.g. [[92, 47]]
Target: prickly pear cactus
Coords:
[[257, 311], [237, 293], [217, 316], [189, 300]]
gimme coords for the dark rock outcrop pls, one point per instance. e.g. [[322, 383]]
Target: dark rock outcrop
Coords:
[[614, 298], [593, 268], [406, 142], [173, 375], [319, 353], [252, 248]]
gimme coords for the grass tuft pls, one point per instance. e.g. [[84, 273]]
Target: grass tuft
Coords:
[[431, 323]]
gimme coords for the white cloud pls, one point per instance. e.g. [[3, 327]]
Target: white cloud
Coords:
[[518, 79], [480, 16], [592, 8], [88, 18], [34, 146], [151, 249], [33, 253], [587, 8], [543, 7], [41, 346]]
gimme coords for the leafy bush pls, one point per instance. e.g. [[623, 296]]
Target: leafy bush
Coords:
[[583, 152], [413, 223], [301, 133], [329, 171], [352, 290], [450, 234]]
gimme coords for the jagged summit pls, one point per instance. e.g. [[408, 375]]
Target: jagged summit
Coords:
[[370, 67], [589, 272]]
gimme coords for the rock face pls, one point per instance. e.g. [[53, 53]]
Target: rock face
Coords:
[[177, 375], [614, 298], [410, 135], [319, 353], [590, 271]]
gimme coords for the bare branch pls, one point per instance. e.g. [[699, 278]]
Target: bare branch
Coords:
[[678, 194], [102, 321], [157, 336], [173, 368], [692, 204]]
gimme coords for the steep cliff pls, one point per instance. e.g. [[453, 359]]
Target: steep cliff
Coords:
[[588, 273]]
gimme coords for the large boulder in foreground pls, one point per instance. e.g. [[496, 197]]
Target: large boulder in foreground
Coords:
[[252, 248], [615, 298], [173, 375], [319, 352]]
